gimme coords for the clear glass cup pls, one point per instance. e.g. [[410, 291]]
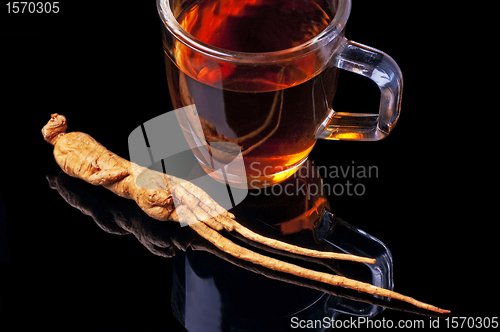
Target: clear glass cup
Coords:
[[268, 108]]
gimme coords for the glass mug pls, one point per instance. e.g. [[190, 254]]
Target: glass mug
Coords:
[[257, 79]]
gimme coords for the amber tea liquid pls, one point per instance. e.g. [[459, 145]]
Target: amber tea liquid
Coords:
[[271, 111]]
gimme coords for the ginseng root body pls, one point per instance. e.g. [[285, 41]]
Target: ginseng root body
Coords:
[[165, 197]]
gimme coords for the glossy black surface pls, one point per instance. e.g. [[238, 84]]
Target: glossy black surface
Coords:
[[213, 291], [102, 66]]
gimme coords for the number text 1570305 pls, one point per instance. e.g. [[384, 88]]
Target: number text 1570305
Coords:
[[24, 7]]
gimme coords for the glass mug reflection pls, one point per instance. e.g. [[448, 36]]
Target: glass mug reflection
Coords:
[[262, 76]]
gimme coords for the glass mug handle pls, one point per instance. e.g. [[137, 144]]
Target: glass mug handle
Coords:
[[381, 69]]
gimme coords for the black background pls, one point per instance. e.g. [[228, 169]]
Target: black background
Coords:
[[102, 66]]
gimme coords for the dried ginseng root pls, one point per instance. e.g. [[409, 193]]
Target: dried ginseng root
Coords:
[[164, 197], [157, 194]]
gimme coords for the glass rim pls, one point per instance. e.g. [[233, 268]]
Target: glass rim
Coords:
[[324, 37]]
